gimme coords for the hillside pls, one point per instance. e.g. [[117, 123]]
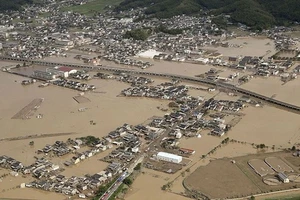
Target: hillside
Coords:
[[257, 14], [13, 4]]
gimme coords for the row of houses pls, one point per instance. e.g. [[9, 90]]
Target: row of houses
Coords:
[[10, 163], [84, 186], [169, 91]]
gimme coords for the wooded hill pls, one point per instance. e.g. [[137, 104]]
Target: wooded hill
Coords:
[[257, 14], [13, 4]]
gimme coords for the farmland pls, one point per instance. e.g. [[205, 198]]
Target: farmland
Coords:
[[222, 178]]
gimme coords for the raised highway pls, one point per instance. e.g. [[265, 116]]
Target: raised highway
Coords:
[[269, 100]]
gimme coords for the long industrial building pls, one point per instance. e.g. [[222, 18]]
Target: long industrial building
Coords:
[[169, 157]]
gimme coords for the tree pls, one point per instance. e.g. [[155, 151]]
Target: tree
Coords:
[[252, 198], [225, 141], [262, 146], [164, 187], [138, 167], [127, 181], [173, 104], [31, 143], [138, 34], [183, 174], [293, 148]]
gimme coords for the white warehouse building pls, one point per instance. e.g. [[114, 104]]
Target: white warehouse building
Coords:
[[169, 157]]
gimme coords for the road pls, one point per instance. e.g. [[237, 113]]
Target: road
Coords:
[[269, 100], [112, 189]]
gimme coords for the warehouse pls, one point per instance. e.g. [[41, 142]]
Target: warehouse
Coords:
[[61, 71], [43, 75], [169, 157], [282, 177]]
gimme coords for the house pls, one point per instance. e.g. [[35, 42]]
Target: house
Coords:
[[88, 154], [218, 132], [3, 159], [135, 149], [117, 143], [114, 135], [202, 60], [82, 187], [55, 167], [232, 59], [187, 151], [81, 156], [297, 69], [152, 136], [75, 159]]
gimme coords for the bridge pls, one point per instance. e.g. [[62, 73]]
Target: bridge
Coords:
[[269, 100]]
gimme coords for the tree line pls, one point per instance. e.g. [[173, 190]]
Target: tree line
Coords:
[[13, 4], [257, 14]]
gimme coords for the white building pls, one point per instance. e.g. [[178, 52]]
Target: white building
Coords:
[[202, 60], [169, 157], [65, 43], [61, 71]]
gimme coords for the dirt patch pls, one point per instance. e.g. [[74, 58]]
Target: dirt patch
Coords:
[[260, 167], [81, 99], [294, 178], [278, 165], [221, 179], [293, 160], [29, 110], [271, 181], [163, 166]]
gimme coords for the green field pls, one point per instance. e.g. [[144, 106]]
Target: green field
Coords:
[[92, 6], [285, 198]]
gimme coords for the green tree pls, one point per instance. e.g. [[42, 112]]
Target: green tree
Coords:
[[164, 187], [138, 34], [127, 181], [138, 167]]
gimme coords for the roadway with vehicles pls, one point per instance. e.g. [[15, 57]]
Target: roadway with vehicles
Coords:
[[113, 188], [269, 100]]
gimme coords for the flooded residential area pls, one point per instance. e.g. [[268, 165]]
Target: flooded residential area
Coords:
[[86, 113]]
